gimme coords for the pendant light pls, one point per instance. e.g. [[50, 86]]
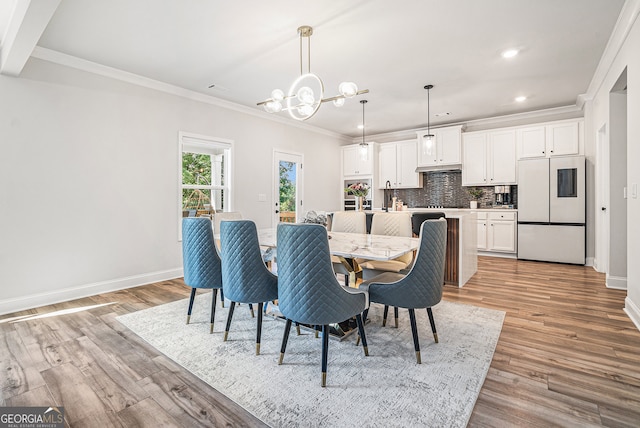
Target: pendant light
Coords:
[[428, 138], [364, 147]]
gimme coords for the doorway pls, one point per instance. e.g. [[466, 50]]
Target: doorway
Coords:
[[288, 185], [602, 222]]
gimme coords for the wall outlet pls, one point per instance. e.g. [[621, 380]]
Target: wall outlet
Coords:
[[262, 197]]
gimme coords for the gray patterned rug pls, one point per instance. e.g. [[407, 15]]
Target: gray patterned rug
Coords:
[[386, 389]]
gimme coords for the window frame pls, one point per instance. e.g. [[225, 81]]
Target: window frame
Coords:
[[196, 143]]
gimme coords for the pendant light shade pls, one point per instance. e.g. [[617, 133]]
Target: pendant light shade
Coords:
[[364, 147], [428, 139]]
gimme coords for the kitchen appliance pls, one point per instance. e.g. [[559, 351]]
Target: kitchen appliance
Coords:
[[551, 209], [502, 195]]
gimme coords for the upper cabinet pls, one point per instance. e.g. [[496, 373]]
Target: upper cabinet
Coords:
[[398, 164], [489, 158], [551, 139], [357, 161], [445, 150]]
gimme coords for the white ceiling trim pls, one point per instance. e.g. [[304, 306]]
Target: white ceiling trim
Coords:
[[626, 20], [27, 23], [92, 67]]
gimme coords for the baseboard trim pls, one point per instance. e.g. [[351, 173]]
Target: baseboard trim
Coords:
[[590, 261], [616, 282], [633, 311], [22, 303], [496, 254]]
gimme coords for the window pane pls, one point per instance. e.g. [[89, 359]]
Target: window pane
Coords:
[[287, 191], [201, 199], [196, 169]]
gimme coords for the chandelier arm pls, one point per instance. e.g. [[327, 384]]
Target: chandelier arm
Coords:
[[337, 97], [261, 103]]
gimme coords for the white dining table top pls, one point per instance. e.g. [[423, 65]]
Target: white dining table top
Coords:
[[356, 245]]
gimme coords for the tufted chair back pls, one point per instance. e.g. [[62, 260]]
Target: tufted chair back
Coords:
[[244, 275], [391, 224], [349, 221], [202, 268], [422, 286], [308, 291]]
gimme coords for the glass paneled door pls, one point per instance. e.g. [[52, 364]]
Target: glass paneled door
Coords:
[[287, 187]]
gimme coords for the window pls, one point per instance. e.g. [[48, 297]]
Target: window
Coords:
[[205, 185]]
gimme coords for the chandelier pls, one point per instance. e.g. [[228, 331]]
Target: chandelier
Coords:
[[306, 93]]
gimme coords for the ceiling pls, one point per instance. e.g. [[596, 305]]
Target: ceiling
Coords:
[[248, 48]]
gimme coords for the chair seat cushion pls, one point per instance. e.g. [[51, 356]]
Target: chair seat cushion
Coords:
[[384, 265]]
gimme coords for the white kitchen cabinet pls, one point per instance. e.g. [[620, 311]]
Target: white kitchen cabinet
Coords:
[[549, 139], [353, 161], [489, 158], [398, 164], [497, 231], [446, 149]]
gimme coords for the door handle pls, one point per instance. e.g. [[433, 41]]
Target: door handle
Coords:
[[603, 208], [277, 211]]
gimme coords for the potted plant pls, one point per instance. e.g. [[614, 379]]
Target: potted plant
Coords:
[[475, 194]]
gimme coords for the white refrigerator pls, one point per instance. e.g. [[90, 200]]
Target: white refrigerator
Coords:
[[551, 209]]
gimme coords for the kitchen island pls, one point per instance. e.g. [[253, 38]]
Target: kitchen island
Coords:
[[462, 242]]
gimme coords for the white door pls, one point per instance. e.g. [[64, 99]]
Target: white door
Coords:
[[531, 142], [407, 162], [474, 163], [602, 207], [449, 146], [502, 236], [288, 180], [562, 139], [387, 159], [502, 157]]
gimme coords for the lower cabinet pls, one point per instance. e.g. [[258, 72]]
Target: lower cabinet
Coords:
[[497, 231]]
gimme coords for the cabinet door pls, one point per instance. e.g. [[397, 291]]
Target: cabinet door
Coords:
[[502, 236], [448, 146], [474, 159], [482, 234], [387, 160], [502, 157], [365, 162], [407, 163], [349, 160], [532, 142], [562, 139]]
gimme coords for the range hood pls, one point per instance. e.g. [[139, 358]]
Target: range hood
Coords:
[[430, 168]]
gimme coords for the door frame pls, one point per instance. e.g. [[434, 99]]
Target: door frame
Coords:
[[289, 156]]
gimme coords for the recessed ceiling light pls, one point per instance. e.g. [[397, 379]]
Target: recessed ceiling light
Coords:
[[361, 126], [521, 99], [509, 53]]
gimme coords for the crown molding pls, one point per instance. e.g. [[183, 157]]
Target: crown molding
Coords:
[[484, 123], [624, 24], [135, 79]]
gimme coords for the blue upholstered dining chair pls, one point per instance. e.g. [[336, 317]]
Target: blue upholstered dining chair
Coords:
[[245, 277], [308, 291], [422, 286], [201, 261]]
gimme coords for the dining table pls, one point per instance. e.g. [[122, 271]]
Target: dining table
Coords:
[[351, 246]]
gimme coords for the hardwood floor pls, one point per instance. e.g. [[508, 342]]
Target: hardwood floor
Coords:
[[567, 356]]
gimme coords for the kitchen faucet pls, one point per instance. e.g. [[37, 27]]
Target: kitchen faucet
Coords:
[[387, 186]]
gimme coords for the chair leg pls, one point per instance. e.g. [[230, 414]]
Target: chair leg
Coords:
[[191, 298], [433, 324], [226, 330], [346, 279], [213, 308], [414, 331], [317, 327], [325, 353], [251, 309], [395, 315], [384, 316], [222, 298], [365, 313], [298, 328], [259, 329], [362, 335], [285, 339]]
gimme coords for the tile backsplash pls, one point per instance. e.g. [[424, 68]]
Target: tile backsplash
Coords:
[[444, 189]]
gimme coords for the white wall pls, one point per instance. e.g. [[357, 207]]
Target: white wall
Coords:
[[89, 173], [597, 114]]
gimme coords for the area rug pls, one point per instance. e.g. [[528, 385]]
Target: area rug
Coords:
[[385, 389]]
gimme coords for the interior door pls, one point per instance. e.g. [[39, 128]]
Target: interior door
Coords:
[[287, 195]]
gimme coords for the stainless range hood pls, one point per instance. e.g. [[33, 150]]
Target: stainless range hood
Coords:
[[455, 167]]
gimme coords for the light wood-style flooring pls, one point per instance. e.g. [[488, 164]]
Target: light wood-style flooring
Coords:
[[567, 356]]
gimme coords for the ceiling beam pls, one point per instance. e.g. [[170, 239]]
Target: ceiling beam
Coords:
[[26, 25]]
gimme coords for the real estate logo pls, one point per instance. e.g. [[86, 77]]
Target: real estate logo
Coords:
[[31, 417]]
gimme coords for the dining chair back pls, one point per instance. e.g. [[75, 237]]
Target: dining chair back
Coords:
[[422, 286], [352, 222], [418, 218], [245, 277], [202, 266], [308, 291]]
